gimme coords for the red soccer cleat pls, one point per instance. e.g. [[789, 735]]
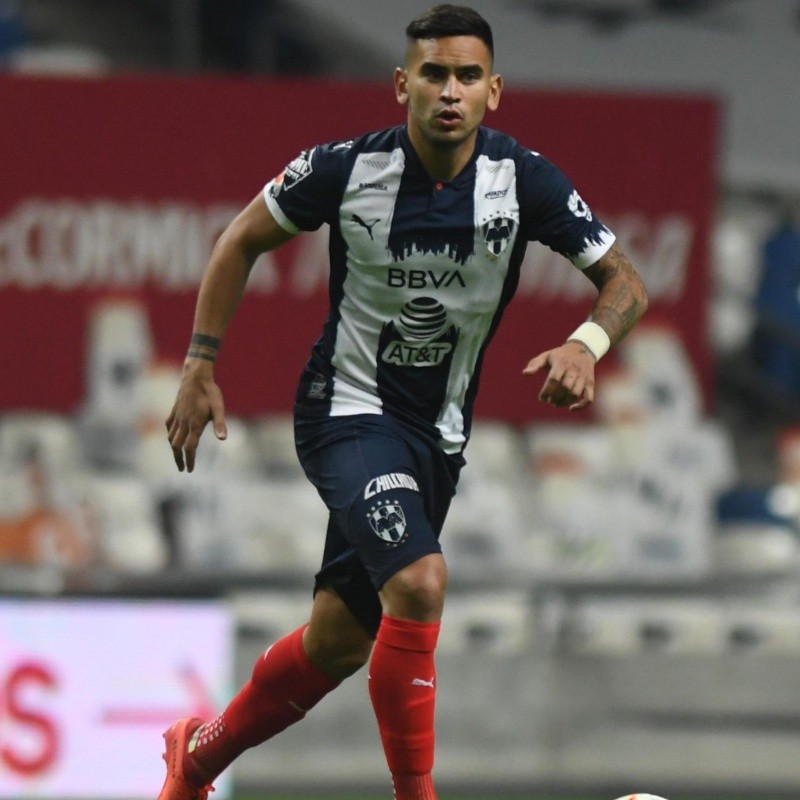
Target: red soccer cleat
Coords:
[[176, 787]]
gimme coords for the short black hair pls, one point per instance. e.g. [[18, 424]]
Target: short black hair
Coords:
[[450, 20]]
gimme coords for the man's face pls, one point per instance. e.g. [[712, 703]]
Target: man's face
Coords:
[[447, 84]]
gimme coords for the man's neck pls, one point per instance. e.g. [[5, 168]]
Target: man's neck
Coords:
[[442, 163]]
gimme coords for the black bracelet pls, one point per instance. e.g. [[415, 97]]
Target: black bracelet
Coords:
[[204, 340], [195, 353]]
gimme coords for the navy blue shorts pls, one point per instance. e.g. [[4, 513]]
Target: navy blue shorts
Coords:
[[387, 487]]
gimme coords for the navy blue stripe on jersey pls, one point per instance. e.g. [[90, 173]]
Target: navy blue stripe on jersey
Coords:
[[447, 226], [421, 271]]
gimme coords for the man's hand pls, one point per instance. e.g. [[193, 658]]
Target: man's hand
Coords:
[[198, 402], [570, 381]]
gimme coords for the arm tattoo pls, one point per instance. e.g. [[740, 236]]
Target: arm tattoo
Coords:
[[622, 296], [204, 346]]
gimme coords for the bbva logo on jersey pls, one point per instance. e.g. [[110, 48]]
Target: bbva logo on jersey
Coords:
[[497, 234]]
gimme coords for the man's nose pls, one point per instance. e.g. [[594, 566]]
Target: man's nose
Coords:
[[451, 89]]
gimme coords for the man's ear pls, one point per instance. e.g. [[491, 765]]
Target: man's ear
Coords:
[[495, 90], [401, 85]]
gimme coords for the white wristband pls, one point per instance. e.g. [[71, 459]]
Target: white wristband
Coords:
[[593, 336]]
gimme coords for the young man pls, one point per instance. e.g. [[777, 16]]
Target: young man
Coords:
[[383, 410]]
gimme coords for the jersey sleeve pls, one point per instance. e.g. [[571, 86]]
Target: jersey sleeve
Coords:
[[553, 213], [308, 191]]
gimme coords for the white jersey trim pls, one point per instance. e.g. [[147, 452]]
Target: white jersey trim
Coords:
[[594, 252], [277, 211]]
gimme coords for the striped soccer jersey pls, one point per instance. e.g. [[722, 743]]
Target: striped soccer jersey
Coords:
[[420, 271]]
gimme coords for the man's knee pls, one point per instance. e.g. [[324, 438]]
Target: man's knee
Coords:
[[417, 591]]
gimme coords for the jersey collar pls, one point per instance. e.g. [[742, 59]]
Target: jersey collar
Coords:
[[415, 168]]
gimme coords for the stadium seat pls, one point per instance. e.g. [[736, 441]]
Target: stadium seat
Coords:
[[762, 628], [498, 622], [119, 350], [273, 439], [755, 548], [269, 616], [55, 437], [484, 527], [123, 510], [266, 526], [496, 451], [657, 357], [735, 260], [627, 626], [552, 448]]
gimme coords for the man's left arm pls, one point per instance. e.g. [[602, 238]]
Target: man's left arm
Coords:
[[621, 301]]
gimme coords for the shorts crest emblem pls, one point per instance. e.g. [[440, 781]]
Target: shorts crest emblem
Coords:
[[388, 521]]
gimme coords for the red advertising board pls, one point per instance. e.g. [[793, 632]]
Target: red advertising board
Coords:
[[119, 186]]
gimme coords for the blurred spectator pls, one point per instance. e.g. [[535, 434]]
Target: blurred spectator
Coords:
[[12, 31], [48, 531], [776, 339]]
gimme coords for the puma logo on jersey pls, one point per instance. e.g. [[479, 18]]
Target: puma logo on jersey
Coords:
[[423, 682], [368, 225]]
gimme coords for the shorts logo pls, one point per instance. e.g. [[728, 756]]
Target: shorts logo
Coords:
[[392, 480], [388, 521]]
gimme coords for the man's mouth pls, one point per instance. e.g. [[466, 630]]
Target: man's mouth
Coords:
[[449, 118]]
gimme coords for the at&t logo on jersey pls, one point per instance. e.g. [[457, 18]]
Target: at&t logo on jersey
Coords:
[[420, 337], [416, 354]]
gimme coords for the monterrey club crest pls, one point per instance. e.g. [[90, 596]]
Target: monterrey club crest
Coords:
[[388, 521], [497, 234]]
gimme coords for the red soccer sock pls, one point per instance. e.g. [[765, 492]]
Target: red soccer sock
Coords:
[[284, 685], [402, 688]]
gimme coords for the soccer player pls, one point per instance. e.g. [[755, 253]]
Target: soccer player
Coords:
[[428, 225]]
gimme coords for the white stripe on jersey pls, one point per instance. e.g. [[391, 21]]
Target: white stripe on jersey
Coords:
[[365, 219], [495, 198]]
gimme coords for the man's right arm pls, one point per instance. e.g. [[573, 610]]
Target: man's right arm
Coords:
[[199, 400]]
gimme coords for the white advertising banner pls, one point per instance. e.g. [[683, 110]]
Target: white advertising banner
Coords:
[[88, 687]]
